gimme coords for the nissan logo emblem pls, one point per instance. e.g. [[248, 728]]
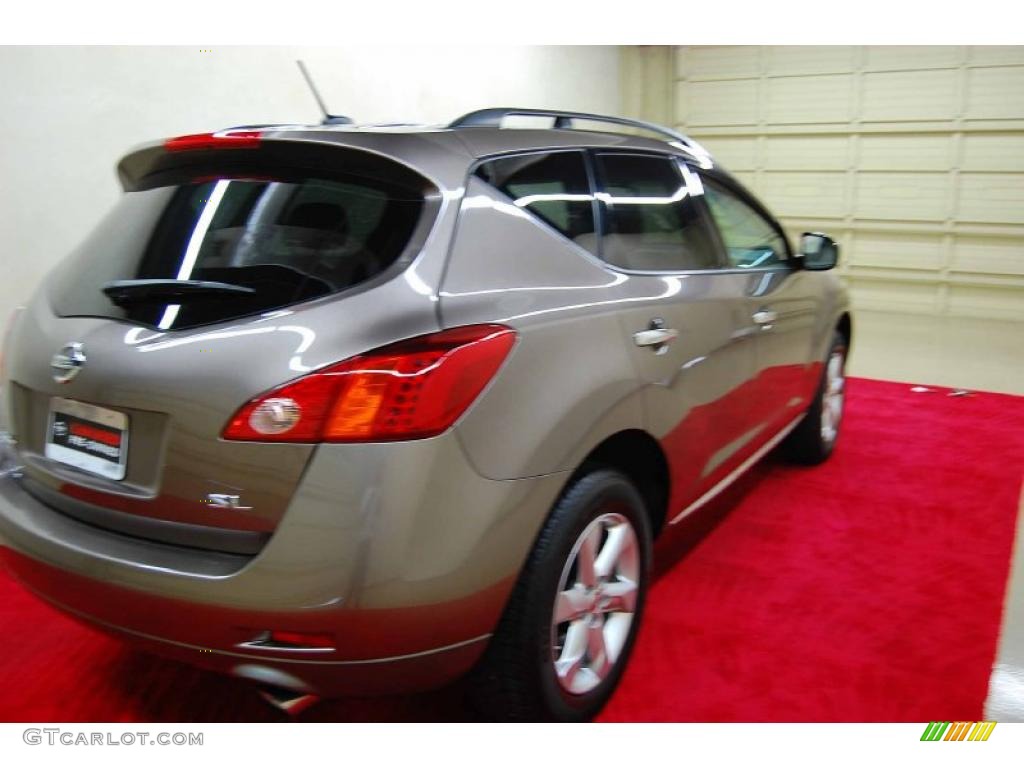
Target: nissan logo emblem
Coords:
[[68, 362]]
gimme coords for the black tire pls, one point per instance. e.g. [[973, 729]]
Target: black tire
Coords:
[[516, 679], [807, 444]]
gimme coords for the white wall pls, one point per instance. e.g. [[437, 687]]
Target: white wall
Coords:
[[68, 114]]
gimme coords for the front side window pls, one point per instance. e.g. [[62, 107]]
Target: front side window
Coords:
[[553, 186], [750, 240], [652, 219]]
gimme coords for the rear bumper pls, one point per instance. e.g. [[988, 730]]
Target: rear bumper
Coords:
[[400, 553], [110, 609]]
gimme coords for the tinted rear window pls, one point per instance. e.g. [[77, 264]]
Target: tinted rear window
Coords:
[[553, 186], [286, 240]]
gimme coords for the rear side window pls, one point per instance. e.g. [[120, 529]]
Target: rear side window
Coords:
[[272, 242], [553, 186], [652, 220], [750, 239]]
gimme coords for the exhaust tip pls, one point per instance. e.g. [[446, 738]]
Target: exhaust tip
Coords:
[[292, 703], [285, 692]]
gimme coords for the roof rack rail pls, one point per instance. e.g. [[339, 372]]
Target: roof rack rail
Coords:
[[492, 117]]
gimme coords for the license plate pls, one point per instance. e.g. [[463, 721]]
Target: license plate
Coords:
[[88, 437]]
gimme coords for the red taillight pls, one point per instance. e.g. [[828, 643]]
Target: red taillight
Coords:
[[232, 140], [300, 639], [405, 391]]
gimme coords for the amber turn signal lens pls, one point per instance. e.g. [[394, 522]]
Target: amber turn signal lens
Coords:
[[413, 389]]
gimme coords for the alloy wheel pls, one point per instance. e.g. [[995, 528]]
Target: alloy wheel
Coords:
[[596, 603], [835, 393]]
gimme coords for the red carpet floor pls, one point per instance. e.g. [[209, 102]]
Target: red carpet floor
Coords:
[[868, 589]]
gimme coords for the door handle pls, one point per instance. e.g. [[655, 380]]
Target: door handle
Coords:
[[765, 316], [655, 337]]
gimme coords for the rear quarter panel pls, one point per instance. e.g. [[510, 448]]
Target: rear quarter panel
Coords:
[[569, 381]]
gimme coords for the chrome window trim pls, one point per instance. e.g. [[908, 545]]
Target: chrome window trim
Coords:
[[586, 151]]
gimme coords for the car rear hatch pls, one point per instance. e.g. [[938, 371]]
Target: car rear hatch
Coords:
[[231, 265]]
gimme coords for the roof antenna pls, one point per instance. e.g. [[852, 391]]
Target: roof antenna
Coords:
[[329, 119]]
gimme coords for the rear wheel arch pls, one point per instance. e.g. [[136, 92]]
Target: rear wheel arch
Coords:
[[640, 457]]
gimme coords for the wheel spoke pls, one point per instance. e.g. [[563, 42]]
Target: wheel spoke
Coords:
[[570, 604], [620, 543], [585, 559], [620, 596], [596, 650], [835, 409], [835, 367], [616, 632], [569, 663]]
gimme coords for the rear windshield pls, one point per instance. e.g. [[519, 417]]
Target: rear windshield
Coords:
[[251, 245]]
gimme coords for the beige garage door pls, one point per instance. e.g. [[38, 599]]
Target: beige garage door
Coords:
[[913, 157]]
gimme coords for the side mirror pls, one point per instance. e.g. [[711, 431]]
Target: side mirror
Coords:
[[818, 251]]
